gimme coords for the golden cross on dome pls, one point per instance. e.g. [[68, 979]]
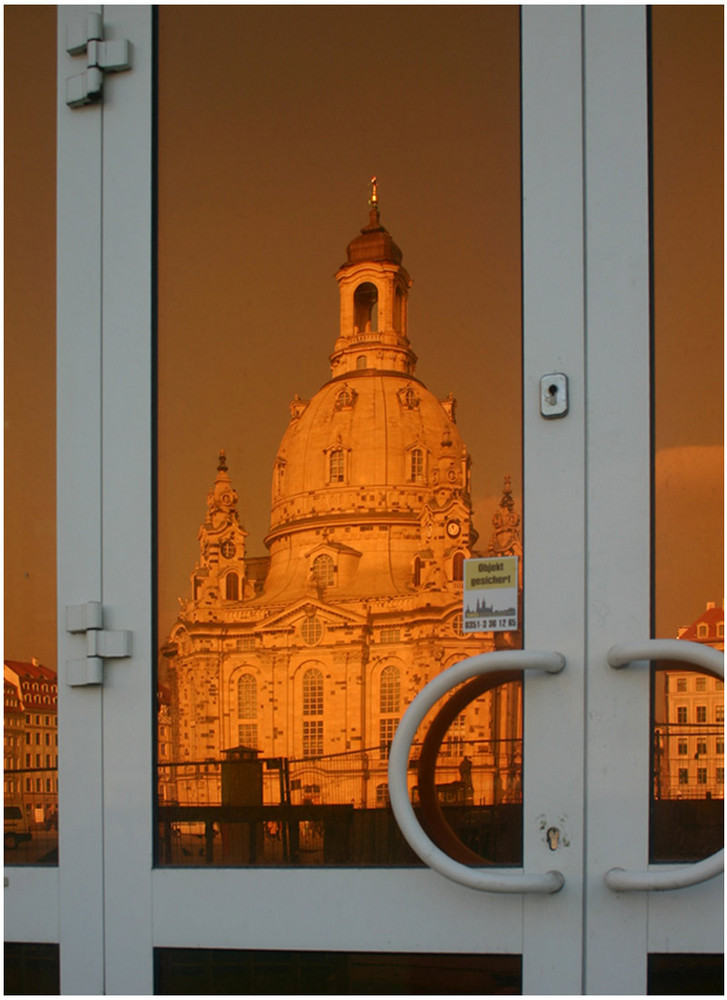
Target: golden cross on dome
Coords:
[[374, 199]]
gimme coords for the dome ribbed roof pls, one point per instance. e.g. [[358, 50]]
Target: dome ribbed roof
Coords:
[[375, 418], [375, 243]]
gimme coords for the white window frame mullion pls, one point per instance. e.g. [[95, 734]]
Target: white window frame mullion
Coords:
[[79, 532], [554, 489], [618, 464], [104, 510], [127, 504]]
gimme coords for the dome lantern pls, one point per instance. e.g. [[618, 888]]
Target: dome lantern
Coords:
[[374, 291]]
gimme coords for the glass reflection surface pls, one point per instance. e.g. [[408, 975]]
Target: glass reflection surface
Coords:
[[30, 740], [334, 442], [688, 707]]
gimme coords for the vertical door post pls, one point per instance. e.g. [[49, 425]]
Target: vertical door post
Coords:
[[554, 489]]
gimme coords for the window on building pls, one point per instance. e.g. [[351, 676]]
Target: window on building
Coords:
[[681, 684], [361, 362], [683, 776], [390, 690], [336, 466], [719, 775], [458, 567], [324, 570], [311, 630], [682, 713], [382, 794], [232, 587], [719, 746], [312, 737], [683, 748], [247, 735], [702, 747], [719, 713], [387, 730], [389, 708], [701, 684], [701, 775], [455, 743], [416, 465], [701, 713], [702, 631], [247, 711], [417, 574], [312, 710], [344, 400]]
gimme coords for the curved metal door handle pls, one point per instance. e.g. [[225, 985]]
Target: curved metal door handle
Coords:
[[513, 661], [705, 658]]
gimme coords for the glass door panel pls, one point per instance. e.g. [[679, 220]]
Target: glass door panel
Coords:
[[303, 605], [688, 707], [585, 734], [31, 702]]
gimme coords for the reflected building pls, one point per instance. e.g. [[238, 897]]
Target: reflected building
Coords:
[[311, 654], [31, 740], [689, 728]]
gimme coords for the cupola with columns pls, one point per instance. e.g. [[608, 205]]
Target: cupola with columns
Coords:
[[374, 291]]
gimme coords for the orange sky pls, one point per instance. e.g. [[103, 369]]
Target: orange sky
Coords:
[[265, 155]]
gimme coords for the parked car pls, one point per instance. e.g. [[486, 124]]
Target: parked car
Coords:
[[17, 827]]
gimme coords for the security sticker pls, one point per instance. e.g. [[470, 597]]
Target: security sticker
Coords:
[[490, 594]]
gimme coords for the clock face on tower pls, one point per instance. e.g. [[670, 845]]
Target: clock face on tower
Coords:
[[453, 528], [227, 548]]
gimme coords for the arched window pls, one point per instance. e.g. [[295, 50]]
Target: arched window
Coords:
[[247, 711], [416, 465], [312, 713], [324, 570], [336, 466], [232, 587], [389, 708], [361, 362], [417, 571], [366, 308], [344, 400]]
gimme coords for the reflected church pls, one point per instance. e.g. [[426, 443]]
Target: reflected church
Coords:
[[308, 657]]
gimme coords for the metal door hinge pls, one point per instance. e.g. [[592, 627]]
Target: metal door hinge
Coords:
[[101, 643], [101, 57]]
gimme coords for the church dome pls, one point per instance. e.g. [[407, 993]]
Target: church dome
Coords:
[[362, 462]]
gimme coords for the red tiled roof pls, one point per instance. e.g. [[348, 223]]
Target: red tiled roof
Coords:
[[35, 673], [711, 617]]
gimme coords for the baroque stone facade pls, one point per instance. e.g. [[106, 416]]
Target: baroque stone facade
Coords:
[[315, 651]]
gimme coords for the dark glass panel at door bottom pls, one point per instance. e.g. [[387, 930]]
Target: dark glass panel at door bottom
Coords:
[[198, 972], [685, 975], [32, 969], [333, 835]]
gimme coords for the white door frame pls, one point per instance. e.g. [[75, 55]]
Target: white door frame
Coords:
[[586, 313]]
